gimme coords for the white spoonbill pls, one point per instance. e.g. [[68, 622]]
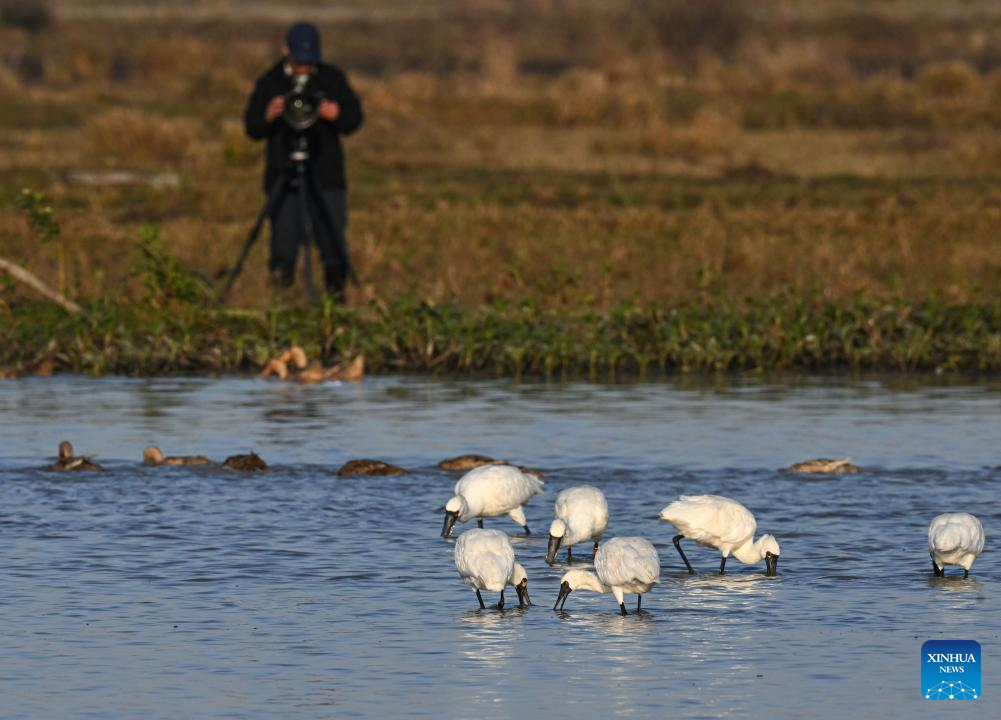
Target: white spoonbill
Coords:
[[581, 514], [955, 539], [485, 561], [489, 491], [724, 524], [624, 565]]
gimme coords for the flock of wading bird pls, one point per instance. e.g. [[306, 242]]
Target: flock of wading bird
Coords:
[[491, 488]]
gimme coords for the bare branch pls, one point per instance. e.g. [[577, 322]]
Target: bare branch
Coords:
[[19, 273]]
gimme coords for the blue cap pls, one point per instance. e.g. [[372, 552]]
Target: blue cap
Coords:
[[303, 40]]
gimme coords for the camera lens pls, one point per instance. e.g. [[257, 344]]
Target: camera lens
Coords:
[[301, 110]]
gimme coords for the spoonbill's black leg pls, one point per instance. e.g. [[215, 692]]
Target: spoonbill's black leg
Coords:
[[527, 531], [639, 599], [500, 603], [677, 545], [622, 608], [966, 573], [569, 554], [939, 571], [722, 565], [479, 521], [482, 606]]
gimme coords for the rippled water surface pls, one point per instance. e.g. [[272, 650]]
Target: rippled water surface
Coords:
[[169, 593]]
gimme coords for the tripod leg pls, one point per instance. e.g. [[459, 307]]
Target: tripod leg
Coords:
[[307, 221], [275, 196], [335, 234]]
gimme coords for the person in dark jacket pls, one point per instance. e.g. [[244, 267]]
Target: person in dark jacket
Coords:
[[340, 114]]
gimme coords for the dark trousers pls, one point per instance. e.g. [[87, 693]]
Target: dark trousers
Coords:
[[288, 234]]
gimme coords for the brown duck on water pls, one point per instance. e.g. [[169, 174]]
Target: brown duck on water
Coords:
[[153, 456], [369, 467], [68, 462], [463, 463], [353, 371], [293, 365], [248, 463], [468, 462], [826, 466]]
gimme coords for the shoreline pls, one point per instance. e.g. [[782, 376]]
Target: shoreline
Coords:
[[517, 340]]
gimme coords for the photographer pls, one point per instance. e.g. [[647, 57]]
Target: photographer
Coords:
[[338, 112]]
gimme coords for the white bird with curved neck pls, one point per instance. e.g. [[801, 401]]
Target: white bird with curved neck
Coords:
[[722, 523], [622, 565], [581, 515], [491, 491], [485, 561], [955, 539]]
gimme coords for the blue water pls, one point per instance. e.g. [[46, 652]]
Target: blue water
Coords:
[[192, 592]]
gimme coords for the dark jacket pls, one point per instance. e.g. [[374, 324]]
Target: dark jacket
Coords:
[[324, 137]]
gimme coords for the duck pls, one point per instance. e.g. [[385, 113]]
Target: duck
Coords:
[[248, 463], [294, 356], [826, 466], [955, 539], [294, 365], [275, 366], [153, 456], [68, 462], [348, 371], [721, 523], [485, 561], [623, 565], [581, 514], [462, 463], [490, 491], [369, 467]]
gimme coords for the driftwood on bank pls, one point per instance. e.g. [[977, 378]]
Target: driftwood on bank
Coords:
[[100, 178], [19, 273]]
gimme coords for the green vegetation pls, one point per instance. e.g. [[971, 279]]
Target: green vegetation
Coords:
[[170, 333], [613, 188]]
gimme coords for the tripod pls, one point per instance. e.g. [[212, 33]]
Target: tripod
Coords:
[[311, 209]]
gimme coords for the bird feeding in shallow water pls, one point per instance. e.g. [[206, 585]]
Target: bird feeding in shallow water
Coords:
[[490, 491], [468, 462], [152, 455], [955, 539], [251, 462], [623, 565], [485, 561], [724, 524], [581, 515], [68, 462], [462, 463], [824, 466], [369, 467]]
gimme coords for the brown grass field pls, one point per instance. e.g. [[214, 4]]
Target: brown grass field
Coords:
[[578, 152]]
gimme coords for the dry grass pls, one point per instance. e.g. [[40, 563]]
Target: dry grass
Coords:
[[133, 138]]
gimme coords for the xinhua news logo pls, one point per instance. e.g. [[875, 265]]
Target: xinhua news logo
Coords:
[[950, 670]]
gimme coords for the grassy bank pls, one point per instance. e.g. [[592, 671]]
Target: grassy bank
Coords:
[[541, 186], [518, 339]]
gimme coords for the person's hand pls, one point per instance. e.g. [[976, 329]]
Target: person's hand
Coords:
[[329, 110], [275, 108]]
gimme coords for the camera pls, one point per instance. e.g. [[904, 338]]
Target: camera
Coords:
[[302, 105], [301, 110]]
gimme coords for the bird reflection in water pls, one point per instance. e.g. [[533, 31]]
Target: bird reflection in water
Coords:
[[489, 643], [612, 624], [727, 593], [959, 590]]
